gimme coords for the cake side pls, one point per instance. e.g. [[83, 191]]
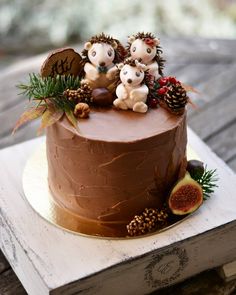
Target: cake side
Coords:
[[109, 182]]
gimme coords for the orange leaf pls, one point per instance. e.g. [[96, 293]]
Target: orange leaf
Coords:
[[72, 119], [29, 115], [50, 116], [193, 105], [190, 88]]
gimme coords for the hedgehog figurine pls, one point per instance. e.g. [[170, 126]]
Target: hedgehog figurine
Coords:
[[145, 48], [100, 54], [132, 91]]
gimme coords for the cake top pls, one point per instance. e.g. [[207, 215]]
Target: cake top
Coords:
[[110, 125], [110, 76]]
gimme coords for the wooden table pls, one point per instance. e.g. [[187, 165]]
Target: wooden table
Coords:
[[208, 65]]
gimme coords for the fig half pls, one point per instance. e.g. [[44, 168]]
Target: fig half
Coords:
[[186, 196]]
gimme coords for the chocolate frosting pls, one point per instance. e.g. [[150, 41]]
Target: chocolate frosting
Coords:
[[116, 164]]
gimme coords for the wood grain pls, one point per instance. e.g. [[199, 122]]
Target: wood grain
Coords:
[[4, 265], [214, 116], [10, 285], [224, 143]]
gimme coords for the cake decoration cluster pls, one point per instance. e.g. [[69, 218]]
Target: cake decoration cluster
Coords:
[[105, 74], [186, 196]]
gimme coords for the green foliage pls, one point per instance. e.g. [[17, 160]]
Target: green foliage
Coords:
[[50, 90], [207, 181], [47, 99]]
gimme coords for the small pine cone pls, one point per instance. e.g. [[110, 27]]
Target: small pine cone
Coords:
[[84, 92], [176, 98], [149, 220], [82, 110], [71, 94]]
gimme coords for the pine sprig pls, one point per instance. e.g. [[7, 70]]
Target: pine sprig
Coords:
[[207, 181], [47, 99], [50, 90]]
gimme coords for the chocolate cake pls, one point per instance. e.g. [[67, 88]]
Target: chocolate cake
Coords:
[[116, 138], [116, 164]]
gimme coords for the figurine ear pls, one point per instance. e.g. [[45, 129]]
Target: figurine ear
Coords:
[[140, 66], [87, 45], [120, 66], [114, 44], [156, 41], [131, 39]]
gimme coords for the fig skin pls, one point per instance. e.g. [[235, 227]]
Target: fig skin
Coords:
[[186, 196], [195, 168]]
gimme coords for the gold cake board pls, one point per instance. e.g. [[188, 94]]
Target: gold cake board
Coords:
[[38, 195]]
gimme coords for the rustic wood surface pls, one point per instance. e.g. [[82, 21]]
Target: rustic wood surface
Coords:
[[208, 65]]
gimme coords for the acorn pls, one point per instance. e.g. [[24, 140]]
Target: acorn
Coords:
[[195, 168], [102, 97]]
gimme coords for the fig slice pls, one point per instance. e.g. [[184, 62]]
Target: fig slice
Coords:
[[186, 196]]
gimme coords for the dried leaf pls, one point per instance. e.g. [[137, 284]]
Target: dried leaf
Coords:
[[50, 116], [190, 88], [193, 105], [72, 119], [29, 115]]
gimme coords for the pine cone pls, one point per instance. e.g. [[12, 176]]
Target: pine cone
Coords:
[[82, 94], [71, 94], [146, 222], [176, 98]]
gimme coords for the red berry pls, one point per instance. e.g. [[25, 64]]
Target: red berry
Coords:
[[163, 81], [172, 80], [153, 103], [162, 90]]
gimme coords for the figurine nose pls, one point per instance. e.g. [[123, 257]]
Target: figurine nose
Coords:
[[102, 64], [140, 59], [129, 81]]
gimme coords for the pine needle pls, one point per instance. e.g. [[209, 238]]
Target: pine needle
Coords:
[[208, 182], [50, 90]]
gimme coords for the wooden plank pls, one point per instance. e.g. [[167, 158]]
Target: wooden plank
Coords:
[[213, 116], [24, 133], [13, 75], [4, 265], [219, 85], [197, 73], [224, 142], [228, 271], [10, 116], [232, 164], [10, 285], [171, 69], [207, 50], [206, 283]]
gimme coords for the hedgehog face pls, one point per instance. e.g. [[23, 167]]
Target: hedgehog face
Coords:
[[131, 76], [142, 52], [100, 54]]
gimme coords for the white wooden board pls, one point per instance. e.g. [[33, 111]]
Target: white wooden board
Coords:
[[49, 260]]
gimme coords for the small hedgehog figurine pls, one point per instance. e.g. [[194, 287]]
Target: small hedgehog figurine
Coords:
[[132, 91], [145, 48], [100, 54]]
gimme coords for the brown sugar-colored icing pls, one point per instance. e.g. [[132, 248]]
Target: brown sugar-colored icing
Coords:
[[116, 164]]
